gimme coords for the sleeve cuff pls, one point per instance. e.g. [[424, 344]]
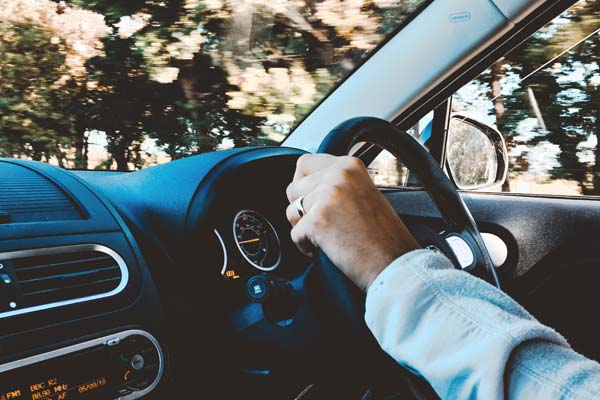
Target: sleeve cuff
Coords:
[[422, 257]]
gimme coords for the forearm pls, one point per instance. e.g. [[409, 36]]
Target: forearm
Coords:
[[460, 333], [543, 370]]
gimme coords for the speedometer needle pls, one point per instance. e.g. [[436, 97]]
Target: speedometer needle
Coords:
[[249, 241]]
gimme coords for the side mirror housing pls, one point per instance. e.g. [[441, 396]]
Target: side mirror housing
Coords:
[[476, 154]]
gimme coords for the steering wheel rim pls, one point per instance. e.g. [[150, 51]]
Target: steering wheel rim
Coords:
[[417, 159], [343, 298]]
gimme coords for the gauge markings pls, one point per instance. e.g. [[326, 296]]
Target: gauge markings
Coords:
[[257, 240]]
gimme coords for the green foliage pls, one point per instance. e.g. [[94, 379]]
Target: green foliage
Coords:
[[186, 76], [33, 110]]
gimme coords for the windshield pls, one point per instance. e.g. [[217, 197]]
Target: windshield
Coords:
[[122, 84]]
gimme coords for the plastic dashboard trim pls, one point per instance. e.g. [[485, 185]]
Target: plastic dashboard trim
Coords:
[[68, 249]]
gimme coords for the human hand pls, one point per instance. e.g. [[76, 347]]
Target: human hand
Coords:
[[346, 217]]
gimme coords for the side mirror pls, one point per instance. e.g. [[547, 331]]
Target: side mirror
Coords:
[[476, 154]]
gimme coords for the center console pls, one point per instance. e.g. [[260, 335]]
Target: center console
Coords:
[[123, 366]]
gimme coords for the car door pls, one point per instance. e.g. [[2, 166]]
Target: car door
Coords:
[[540, 89]]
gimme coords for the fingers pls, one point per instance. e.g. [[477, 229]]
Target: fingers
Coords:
[[291, 212], [301, 236], [312, 172], [322, 179], [303, 230], [304, 185], [311, 163]]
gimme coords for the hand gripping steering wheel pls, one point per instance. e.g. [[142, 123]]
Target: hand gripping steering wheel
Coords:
[[337, 297]]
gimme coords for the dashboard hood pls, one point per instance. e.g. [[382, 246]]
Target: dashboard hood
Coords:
[[156, 201]]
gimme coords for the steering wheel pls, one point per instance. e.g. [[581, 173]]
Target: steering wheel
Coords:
[[336, 295]]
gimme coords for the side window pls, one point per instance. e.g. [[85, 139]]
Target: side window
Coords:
[[387, 171], [544, 97]]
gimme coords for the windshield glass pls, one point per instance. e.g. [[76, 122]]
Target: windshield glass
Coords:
[[123, 84]]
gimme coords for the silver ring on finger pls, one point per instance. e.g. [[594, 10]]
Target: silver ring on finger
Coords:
[[298, 203]]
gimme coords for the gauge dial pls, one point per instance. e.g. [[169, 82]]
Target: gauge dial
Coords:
[[257, 240]]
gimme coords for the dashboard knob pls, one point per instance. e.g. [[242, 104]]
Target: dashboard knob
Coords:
[[276, 296], [137, 362], [258, 288]]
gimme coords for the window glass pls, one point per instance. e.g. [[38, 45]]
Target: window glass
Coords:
[[544, 97], [123, 84], [387, 170]]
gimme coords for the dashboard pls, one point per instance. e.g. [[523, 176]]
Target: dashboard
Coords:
[[177, 281], [114, 284]]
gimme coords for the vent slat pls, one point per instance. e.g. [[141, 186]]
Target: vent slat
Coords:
[[71, 279], [55, 210], [78, 286], [57, 258], [73, 292], [51, 278], [50, 265], [50, 199]]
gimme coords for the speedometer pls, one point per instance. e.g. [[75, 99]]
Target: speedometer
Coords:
[[257, 240]]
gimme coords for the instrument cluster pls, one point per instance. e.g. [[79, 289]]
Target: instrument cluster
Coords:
[[250, 246]]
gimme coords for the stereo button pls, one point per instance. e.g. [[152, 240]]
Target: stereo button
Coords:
[[137, 362]]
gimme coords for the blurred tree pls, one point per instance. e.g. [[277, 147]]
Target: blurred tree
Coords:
[[34, 121], [43, 47], [558, 94], [120, 102], [580, 95], [182, 76], [156, 73]]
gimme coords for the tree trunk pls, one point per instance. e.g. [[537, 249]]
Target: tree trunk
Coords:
[[37, 154], [122, 162], [496, 75], [60, 157], [237, 40], [596, 168], [536, 108], [81, 150], [118, 147]]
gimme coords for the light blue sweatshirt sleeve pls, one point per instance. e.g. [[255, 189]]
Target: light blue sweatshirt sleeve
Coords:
[[468, 339]]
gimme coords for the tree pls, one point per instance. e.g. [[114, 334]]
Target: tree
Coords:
[[529, 83], [187, 75], [34, 122], [43, 47]]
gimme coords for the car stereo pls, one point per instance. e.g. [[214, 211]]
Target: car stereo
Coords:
[[123, 366]]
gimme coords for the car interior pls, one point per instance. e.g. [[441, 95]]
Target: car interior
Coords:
[[181, 280]]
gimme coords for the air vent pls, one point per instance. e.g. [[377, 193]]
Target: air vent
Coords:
[[26, 196], [46, 278]]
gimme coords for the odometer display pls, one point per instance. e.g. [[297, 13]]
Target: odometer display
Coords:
[[257, 240]]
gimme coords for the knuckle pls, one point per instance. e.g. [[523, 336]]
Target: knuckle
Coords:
[[302, 160], [289, 191], [352, 163], [288, 213], [334, 193], [345, 176], [295, 234], [321, 216]]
